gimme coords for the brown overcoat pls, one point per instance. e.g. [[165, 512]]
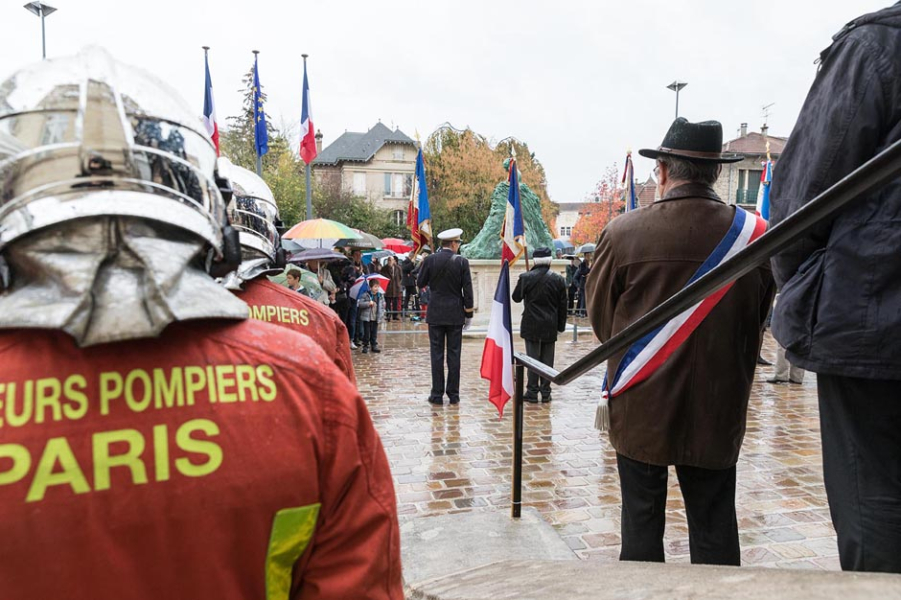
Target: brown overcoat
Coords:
[[693, 409]]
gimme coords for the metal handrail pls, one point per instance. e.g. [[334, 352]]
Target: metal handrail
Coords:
[[873, 174]]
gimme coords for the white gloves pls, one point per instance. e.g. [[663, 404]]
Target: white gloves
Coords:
[[467, 324]]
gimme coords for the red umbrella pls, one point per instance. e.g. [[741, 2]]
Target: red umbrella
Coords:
[[397, 245]]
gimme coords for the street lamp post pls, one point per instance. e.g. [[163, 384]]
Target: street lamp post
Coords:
[[676, 86], [41, 10]]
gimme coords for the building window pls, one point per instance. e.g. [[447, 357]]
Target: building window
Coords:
[[400, 217], [566, 231], [398, 153], [359, 183], [398, 185]]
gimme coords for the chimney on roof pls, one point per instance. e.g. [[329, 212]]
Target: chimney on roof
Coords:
[[764, 129], [318, 141], [744, 129]]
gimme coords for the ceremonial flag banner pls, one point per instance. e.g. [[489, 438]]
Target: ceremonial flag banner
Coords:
[[512, 232], [307, 132], [261, 133], [419, 216], [209, 107], [763, 194], [629, 184], [651, 351], [497, 356]]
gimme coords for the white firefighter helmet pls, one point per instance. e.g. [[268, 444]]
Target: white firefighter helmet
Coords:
[[253, 212], [87, 136]]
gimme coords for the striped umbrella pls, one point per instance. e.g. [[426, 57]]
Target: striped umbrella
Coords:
[[320, 229]]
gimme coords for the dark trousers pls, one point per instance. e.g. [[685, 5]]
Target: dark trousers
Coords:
[[393, 308], [370, 331], [340, 307], [410, 296], [351, 320], [450, 336], [709, 504], [860, 422], [543, 351]]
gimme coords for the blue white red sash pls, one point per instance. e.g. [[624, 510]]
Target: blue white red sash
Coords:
[[647, 354]]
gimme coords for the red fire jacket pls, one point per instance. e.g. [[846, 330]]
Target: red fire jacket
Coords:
[[220, 460], [277, 304]]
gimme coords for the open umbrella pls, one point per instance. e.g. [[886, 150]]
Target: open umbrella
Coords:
[[354, 291], [564, 246], [308, 280], [397, 244], [320, 231], [586, 249], [362, 241], [316, 254]]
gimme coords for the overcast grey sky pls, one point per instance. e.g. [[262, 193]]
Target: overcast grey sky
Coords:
[[581, 82]]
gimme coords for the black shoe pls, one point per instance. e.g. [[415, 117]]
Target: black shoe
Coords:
[[532, 399], [774, 380], [454, 399], [545, 398], [376, 349], [438, 401], [762, 361], [365, 350]]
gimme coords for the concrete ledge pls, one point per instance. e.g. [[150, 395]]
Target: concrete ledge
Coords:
[[435, 546], [584, 580]]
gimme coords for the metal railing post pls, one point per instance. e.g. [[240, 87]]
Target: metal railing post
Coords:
[[516, 508]]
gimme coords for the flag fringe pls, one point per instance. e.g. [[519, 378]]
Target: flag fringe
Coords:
[[602, 414]]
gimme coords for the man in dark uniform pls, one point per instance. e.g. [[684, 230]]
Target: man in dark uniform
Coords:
[[544, 293], [450, 312]]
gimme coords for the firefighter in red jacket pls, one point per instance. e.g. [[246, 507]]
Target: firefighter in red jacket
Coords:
[[253, 213], [153, 443]]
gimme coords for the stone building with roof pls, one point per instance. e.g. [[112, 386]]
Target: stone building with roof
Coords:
[[378, 165], [739, 182]]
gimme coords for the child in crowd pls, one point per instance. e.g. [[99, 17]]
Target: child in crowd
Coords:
[[372, 309]]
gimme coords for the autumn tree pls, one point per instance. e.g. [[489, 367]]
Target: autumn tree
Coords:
[[463, 169], [607, 204]]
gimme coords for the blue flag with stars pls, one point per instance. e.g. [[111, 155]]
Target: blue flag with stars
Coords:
[[261, 133]]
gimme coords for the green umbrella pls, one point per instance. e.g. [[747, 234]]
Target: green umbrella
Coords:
[[308, 280]]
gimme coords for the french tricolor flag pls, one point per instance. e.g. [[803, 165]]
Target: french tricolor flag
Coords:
[[307, 133], [763, 193], [497, 357], [209, 107]]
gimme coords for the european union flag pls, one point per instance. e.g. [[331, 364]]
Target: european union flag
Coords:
[[261, 133]]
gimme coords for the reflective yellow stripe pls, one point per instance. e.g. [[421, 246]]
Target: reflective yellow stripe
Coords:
[[292, 529]]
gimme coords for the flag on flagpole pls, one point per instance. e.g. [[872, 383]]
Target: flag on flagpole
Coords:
[[629, 184], [763, 193], [209, 107], [513, 232], [497, 356], [260, 132], [307, 132], [419, 216]]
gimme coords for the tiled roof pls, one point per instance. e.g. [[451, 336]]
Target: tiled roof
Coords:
[[755, 143], [352, 146], [647, 191]]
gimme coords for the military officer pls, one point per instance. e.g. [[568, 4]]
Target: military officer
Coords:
[[254, 213], [155, 444], [447, 276]]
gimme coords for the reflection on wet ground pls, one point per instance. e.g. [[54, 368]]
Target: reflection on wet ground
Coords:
[[453, 459]]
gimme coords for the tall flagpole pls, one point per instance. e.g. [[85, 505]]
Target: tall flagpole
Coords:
[[307, 168], [259, 158]]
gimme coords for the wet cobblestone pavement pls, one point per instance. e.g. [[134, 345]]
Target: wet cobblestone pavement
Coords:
[[457, 458]]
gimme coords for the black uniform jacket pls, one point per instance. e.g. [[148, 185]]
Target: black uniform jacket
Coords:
[[448, 278], [544, 313]]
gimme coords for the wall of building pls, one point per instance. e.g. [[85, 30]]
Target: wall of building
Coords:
[[727, 185], [368, 179]]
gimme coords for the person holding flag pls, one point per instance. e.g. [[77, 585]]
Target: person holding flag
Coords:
[[449, 280], [679, 396]]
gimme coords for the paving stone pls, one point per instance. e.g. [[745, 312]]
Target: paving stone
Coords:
[[460, 457]]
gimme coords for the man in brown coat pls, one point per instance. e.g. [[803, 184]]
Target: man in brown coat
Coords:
[[691, 412]]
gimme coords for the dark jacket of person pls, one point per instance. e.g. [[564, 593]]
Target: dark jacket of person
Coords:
[[544, 311], [693, 409], [395, 276], [409, 279], [450, 285], [839, 311]]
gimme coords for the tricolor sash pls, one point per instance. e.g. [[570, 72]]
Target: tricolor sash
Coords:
[[647, 354]]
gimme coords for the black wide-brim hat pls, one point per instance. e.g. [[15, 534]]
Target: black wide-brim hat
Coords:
[[696, 142]]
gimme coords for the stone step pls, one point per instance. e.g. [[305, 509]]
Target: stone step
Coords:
[[584, 580]]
